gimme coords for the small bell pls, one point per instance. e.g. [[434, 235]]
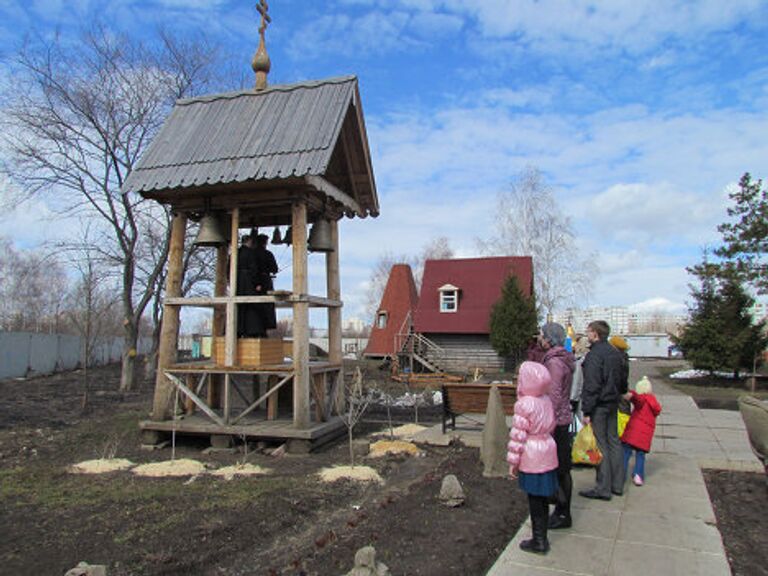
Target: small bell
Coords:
[[276, 236], [287, 236]]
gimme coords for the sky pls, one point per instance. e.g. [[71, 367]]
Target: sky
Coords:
[[641, 115]]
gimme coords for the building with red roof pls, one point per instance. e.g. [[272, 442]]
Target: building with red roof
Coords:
[[394, 314], [450, 328]]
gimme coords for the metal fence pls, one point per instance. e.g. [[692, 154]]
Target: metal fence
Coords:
[[24, 354]]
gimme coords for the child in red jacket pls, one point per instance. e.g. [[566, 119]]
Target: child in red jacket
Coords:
[[639, 431]]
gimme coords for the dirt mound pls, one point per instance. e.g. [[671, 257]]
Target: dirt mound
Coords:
[[101, 466], [229, 472], [170, 468], [355, 473]]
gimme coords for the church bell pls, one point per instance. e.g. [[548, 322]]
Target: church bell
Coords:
[[320, 237], [276, 236], [210, 232]]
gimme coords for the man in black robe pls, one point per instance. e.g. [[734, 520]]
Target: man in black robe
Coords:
[[266, 267]]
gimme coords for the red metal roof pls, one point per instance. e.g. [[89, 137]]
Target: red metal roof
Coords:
[[398, 301], [479, 280]]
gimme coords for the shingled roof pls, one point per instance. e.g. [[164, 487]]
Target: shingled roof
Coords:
[[479, 282], [309, 135], [397, 303]]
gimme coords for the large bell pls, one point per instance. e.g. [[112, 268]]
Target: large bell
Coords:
[[320, 237], [210, 232]]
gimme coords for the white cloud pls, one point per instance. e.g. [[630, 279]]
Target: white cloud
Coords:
[[633, 25], [659, 304], [659, 214]]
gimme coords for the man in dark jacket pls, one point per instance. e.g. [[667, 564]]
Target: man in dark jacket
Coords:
[[602, 371]]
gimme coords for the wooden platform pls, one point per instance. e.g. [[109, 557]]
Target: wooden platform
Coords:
[[254, 428]]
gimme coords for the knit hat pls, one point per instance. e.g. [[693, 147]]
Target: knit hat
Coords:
[[643, 386], [553, 333], [619, 343]]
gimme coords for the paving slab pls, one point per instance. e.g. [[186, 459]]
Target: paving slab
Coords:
[[636, 559], [668, 525]]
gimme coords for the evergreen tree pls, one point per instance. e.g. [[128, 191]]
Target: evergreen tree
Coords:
[[513, 320], [744, 253], [720, 334]]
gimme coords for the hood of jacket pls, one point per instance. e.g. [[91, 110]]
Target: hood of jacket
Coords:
[[560, 354], [533, 379]]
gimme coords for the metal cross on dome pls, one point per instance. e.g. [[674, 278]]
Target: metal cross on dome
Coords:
[[263, 8]]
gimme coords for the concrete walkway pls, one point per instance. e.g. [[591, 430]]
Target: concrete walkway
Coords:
[[665, 527]]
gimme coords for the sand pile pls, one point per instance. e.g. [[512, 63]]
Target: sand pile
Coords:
[[170, 468], [356, 473], [230, 472], [384, 447], [101, 466], [406, 431]]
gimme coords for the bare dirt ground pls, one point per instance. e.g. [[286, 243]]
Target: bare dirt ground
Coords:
[[740, 500], [287, 522], [284, 523]]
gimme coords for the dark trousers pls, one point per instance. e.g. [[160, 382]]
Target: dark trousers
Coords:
[[562, 438], [610, 473]]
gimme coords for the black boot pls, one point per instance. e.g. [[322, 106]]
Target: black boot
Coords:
[[561, 517], [539, 511]]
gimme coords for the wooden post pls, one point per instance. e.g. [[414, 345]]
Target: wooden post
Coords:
[[333, 281], [230, 332], [219, 319], [301, 417], [169, 331]]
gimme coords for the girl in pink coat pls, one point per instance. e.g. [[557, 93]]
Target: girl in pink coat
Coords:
[[531, 450], [638, 434]]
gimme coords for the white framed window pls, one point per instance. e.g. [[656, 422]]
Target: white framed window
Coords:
[[381, 320], [449, 298]]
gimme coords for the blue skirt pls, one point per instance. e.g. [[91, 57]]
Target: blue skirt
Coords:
[[544, 484]]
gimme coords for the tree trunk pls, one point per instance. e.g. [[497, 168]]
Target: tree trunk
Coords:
[[128, 373]]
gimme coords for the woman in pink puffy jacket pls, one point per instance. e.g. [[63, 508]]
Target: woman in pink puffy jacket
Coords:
[[531, 450]]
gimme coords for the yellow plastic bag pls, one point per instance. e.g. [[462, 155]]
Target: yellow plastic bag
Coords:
[[622, 420], [585, 450]]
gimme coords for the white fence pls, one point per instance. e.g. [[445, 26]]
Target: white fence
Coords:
[[30, 354]]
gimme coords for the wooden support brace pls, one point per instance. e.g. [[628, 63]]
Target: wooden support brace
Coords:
[[261, 399], [200, 404]]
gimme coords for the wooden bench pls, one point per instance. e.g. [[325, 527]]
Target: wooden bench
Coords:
[[461, 399]]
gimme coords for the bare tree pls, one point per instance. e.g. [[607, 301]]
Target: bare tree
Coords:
[[93, 306], [79, 116], [357, 404], [436, 249], [32, 289], [529, 223]]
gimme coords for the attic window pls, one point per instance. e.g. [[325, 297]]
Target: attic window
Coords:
[[381, 320], [449, 298]]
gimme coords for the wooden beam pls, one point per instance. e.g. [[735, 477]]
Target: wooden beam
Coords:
[[282, 301], [329, 189], [333, 282], [169, 330], [301, 418], [192, 396], [230, 335], [219, 320], [261, 399]]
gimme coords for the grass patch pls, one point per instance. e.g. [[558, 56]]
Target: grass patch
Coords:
[[49, 490]]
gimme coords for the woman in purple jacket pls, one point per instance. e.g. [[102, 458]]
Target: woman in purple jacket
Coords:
[[532, 451], [560, 364]]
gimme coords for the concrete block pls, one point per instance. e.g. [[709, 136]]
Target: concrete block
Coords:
[[635, 559]]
